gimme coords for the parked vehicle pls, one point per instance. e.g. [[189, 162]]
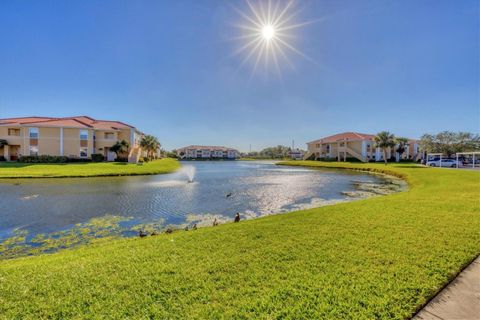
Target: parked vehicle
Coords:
[[444, 163]]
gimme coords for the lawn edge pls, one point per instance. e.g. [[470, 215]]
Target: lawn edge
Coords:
[[60, 176]]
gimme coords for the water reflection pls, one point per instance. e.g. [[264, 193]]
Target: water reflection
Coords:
[[253, 188]]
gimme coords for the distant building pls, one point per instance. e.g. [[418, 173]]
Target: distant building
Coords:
[[72, 137], [207, 152], [356, 145], [296, 154]]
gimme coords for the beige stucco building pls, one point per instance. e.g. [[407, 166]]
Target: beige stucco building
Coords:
[[356, 145], [207, 152], [73, 137]]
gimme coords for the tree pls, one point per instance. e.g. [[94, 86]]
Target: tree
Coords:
[[449, 143], [384, 140], [277, 152], [170, 154], [401, 145], [150, 144], [120, 147]]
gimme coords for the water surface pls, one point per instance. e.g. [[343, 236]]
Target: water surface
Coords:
[[219, 190]]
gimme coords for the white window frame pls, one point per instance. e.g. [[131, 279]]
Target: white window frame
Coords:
[[34, 153], [33, 130], [83, 132], [86, 152]]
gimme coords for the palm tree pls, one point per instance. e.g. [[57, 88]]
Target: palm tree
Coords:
[[120, 147], [384, 140], [150, 144], [402, 145]]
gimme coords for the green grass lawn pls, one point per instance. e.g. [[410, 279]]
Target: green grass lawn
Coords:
[[379, 258], [87, 169]]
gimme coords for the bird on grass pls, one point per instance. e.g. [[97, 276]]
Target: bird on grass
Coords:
[[237, 217], [142, 234]]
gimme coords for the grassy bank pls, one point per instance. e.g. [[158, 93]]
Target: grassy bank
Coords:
[[87, 169], [379, 258]]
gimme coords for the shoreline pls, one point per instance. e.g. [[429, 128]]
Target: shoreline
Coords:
[[202, 220]]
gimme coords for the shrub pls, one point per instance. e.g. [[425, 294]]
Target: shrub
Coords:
[[97, 157], [79, 160], [121, 159], [2, 158], [43, 159]]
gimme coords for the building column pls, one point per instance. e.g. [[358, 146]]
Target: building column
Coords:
[[377, 154], [6, 152], [61, 142], [364, 149], [26, 146], [91, 142]]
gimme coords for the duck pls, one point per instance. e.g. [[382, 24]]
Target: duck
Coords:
[[215, 222], [237, 217], [169, 230], [142, 234], [194, 227], [154, 233], [229, 195]]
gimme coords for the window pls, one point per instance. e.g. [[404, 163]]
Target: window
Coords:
[[83, 134], [34, 150], [109, 135], [83, 152], [33, 133], [13, 132]]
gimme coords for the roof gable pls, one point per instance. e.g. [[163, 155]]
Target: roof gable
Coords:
[[351, 136]]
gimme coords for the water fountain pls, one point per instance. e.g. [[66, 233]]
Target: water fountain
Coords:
[[189, 171]]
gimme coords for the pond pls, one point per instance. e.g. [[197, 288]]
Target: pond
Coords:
[[217, 190]]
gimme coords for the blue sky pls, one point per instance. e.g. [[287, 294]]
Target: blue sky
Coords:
[[410, 67]]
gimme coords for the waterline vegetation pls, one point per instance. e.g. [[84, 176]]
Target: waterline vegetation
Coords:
[[383, 257], [89, 169]]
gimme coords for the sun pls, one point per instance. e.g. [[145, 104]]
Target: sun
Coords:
[[268, 32]]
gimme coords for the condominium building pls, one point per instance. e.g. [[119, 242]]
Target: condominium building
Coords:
[[73, 137], [207, 152], [356, 145]]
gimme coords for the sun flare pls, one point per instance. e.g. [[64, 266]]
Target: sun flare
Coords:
[[268, 34]]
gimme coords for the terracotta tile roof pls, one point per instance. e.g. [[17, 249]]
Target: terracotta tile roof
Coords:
[[351, 136], [77, 122]]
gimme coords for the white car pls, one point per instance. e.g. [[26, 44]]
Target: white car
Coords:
[[445, 163]]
